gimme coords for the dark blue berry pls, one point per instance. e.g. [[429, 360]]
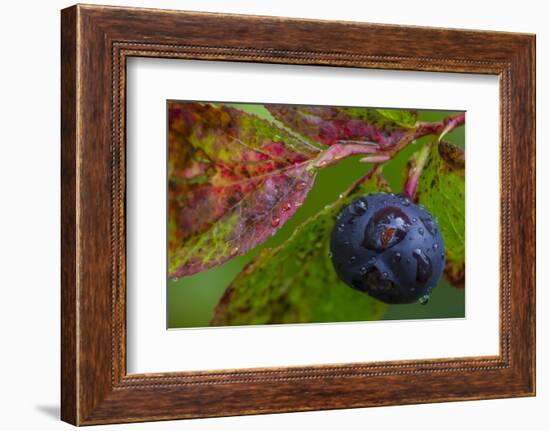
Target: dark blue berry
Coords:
[[370, 254]]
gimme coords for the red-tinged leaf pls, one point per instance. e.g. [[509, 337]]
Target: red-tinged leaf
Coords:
[[332, 125], [234, 180]]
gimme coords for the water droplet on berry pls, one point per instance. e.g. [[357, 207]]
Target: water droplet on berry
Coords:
[[286, 206], [359, 207], [363, 270], [352, 259], [372, 260], [341, 196], [377, 285], [424, 299], [442, 256], [234, 251], [386, 228], [275, 221], [405, 202], [423, 266], [397, 256], [430, 224], [346, 243], [421, 231], [436, 246], [414, 219], [385, 275]]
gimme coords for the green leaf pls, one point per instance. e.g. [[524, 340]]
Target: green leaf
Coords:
[[399, 116], [296, 282], [441, 190]]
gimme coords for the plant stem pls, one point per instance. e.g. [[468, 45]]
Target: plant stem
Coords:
[[416, 171], [378, 154]]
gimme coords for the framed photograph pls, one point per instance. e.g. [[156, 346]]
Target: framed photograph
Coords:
[[329, 214]]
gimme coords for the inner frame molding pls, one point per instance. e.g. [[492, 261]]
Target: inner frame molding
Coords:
[[96, 42]]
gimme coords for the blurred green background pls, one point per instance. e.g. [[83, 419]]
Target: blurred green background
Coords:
[[191, 300]]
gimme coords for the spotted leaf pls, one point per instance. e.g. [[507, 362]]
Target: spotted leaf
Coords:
[[441, 189], [233, 180], [330, 125]]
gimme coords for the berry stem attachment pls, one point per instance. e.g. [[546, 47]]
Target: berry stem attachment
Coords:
[[417, 164]]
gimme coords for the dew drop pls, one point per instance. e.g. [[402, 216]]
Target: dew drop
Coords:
[[363, 270], [287, 206], [405, 202], [234, 251], [275, 221], [352, 259], [397, 256], [330, 254], [436, 246], [346, 243], [430, 224], [442, 256], [386, 228], [341, 196], [375, 283], [424, 299], [421, 231], [359, 207], [372, 259], [423, 266], [385, 275], [414, 219]]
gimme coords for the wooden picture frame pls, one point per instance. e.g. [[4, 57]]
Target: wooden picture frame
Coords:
[[95, 43]]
